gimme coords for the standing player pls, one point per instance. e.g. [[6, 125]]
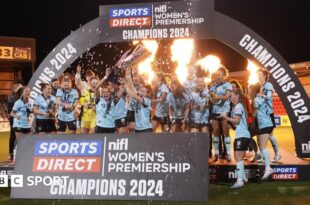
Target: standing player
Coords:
[[132, 104], [250, 119], [11, 100], [242, 134], [83, 85], [143, 102], [263, 76], [88, 102], [120, 110], [45, 109], [67, 99], [55, 86], [264, 123], [161, 111], [204, 94], [189, 86], [104, 112], [195, 112], [200, 111], [178, 107], [20, 112], [220, 92], [119, 113]]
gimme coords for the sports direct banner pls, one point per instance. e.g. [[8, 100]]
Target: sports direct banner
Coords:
[[125, 167], [157, 20]]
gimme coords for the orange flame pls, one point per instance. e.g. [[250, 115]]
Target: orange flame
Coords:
[[182, 50], [207, 80], [210, 64], [145, 67], [253, 78]]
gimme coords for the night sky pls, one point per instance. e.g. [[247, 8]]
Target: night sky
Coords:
[[283, 23]]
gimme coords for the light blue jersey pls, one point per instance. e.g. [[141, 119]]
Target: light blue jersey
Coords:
[[263, 118], [143, 114], [241, 128], [268, 91], [70, 98], [205, 96], [132, 101], [220, 89], [44, 105], [120, 110], [132, 104], [104, 111], [21, 109], [190, 85], [196, 113], [162, 107], [178, 105]]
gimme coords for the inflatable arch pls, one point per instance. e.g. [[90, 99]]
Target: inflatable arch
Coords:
[[196, 19]]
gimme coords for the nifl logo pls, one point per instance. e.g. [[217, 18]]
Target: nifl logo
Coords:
[[305, 147], [131, 17]]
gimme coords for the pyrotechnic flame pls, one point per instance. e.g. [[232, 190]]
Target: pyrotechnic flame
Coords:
[[253, 78], [210, 64], [181, 52], [207, 80], [145, 67]]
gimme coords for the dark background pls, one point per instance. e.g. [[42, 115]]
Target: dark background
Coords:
[[283, 23]]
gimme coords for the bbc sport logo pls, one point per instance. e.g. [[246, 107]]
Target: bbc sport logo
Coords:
[[15, 180], [131, 17]]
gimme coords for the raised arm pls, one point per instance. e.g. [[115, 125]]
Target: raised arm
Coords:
[[105, 78], [78, 81], [130, 87]]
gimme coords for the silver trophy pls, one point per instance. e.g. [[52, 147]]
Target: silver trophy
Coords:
[[50, 111], [128, 59]]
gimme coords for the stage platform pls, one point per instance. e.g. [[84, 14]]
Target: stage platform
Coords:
[[289, 168]]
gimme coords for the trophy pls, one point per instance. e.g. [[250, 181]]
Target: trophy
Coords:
[[128, 59], [50, 109], [217, 102]]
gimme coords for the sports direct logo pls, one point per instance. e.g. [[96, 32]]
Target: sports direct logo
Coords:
[[285, 173], [131, 17], [67, 156]]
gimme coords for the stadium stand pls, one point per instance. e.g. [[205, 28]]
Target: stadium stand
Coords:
[[278, 107]]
